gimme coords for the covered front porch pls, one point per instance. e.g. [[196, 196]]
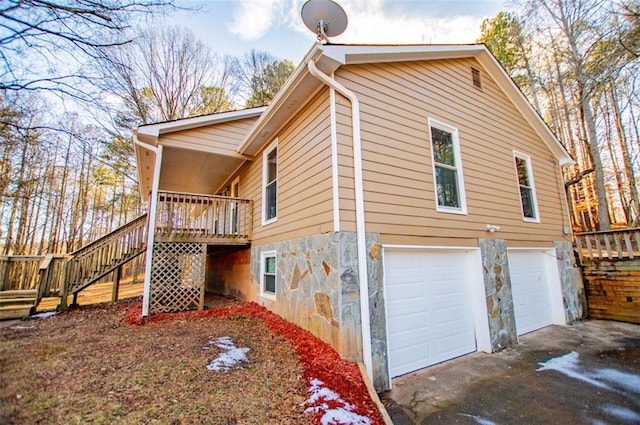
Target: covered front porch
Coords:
[[189, 179]]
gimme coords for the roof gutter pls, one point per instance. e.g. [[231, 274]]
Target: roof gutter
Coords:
[[361, 235], [151, 225]]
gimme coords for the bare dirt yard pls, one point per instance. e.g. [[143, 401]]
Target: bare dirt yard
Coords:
[[90, 366]]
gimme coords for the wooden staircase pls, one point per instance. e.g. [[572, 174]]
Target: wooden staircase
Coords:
[[15, 304], [25, 280], [103, 256]]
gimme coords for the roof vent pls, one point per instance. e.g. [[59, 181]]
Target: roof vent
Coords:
[[475, 75]]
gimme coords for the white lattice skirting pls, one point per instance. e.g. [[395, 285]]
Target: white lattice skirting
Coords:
[[177, 277]]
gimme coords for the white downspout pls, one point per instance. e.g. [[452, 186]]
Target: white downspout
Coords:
[[360, 227], [151, 228], [334, 162]]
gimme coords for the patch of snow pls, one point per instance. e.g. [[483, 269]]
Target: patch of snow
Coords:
[[622, 413], [478, 419], [568, 365], [628, 381], [341, 412], [229, 359], [608, 379], [44, 315], [22, 327]]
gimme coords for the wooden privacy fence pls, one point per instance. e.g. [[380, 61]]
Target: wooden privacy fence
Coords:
[[613, 244], [611, 272], [185, 217]]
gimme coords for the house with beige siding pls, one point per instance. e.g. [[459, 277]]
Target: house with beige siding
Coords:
[[403, 203]]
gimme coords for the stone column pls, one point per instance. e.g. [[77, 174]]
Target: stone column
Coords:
[[350, 304], [573, 295], [349, 290], [377, 314], [497, 282]]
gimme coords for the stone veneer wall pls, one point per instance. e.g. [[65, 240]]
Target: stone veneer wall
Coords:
[[497, 282], [573, 294], [317, 288]]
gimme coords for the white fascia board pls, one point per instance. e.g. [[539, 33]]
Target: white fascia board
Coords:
[[138, 152], [361, 54], [148, 131], [286, 104]]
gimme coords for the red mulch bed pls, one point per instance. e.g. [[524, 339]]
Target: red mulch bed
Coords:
[[318, 358]]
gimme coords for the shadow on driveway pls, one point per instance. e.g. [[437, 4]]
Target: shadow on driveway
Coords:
[[586, 373]]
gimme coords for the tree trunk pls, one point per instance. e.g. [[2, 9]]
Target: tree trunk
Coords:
[[626, 157]]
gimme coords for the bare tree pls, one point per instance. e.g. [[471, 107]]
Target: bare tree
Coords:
[[44, 43], [582, 36], [165, 74]]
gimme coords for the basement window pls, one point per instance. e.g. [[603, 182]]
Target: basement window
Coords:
[[268, 274]]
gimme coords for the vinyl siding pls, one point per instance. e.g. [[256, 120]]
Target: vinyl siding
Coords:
[[396, 101], [220, 138], [305, 205]]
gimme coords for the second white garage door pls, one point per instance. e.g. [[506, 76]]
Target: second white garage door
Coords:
[[429, 307], [530, 289]]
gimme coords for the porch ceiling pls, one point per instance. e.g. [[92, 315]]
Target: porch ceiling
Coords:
[[188, 171], [195, 171]]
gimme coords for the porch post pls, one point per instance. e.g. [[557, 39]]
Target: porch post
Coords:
[[151, 230]]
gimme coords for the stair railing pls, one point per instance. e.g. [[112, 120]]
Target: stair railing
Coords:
[[97, 259]]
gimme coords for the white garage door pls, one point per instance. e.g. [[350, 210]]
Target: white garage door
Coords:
[[530, 288], [429, 308]]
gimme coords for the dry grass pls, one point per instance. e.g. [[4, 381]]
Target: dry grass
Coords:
[[87, 366]]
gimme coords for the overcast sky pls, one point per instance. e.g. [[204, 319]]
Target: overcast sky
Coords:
[[237, 26]]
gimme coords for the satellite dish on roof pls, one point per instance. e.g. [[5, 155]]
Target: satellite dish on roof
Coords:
[[324, 17]]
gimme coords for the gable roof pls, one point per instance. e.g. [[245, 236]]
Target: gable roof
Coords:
[[190, 168], [149, 133], [301, 86], [329, 57]]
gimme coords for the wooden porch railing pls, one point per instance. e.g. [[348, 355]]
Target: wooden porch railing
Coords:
[[25, 272], [184, 217], [609, 245], [105, 255], [25, 280]]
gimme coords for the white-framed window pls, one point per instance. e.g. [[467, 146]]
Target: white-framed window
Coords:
[[524, 174], [268, 274], [447, 168], [270, 184]]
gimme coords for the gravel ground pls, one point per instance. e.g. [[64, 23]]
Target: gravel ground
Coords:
[[88, 366]]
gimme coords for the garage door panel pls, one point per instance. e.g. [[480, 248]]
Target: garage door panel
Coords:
[[419, 320], [448, 316], [449, 346], [428, 310], [408, 291], [530, 289], [409, 342]]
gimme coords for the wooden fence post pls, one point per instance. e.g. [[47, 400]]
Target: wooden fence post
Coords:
[[43, 284], [116, 284], [4, 270]]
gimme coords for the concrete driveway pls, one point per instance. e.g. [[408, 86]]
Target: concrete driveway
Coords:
[[586, 373]]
